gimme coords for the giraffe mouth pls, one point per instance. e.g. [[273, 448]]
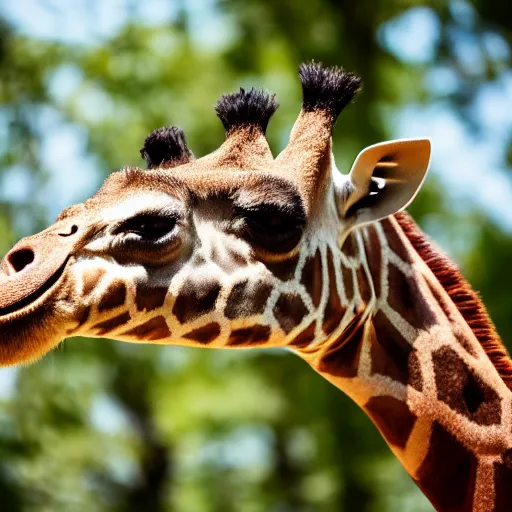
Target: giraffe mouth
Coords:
[[36, 294]]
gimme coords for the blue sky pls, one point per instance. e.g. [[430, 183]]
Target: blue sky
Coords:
[[470, 165]]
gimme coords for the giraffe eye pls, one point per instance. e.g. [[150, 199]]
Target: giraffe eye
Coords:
[[275, 231], [149, 227]]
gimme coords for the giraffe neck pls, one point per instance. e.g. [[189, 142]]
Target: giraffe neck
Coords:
[[406, 355]]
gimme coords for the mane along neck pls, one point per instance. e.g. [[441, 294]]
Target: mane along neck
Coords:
[[463, 296]]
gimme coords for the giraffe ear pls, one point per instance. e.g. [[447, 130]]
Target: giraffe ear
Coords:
[[384, 179]]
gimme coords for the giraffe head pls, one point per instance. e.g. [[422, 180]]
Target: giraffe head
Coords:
[[220, 250]]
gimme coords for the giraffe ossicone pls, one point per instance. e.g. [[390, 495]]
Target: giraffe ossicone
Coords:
[[238, 249]]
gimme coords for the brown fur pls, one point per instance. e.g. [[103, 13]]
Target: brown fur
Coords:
[[463, 296]]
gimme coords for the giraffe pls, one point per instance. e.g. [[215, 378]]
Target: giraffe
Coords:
[[238, 249]]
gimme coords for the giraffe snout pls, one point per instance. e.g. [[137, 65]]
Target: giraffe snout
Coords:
[[34, 265]]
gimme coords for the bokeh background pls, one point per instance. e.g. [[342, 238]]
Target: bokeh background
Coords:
[[104, 426]]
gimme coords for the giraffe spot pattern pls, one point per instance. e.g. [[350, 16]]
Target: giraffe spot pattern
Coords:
[[305, 337], [443, 302], [453, 317], [91, 280], [289, 311], [154, 329], [150, 298], [349, 247], [83, 316], [205, 334], [246, 299], [227, 260], [406, 298], [342, 357], [374, 256], [390, 351], [415, 376], [284, 270], [346, 275], [464, 342], [507, 458], [448, 481], [392, 417], [311, 277], [464, 391], [109, 325], [395, 242], [365, 291], [196, 298], [198, 260], [333, 312], [114, 296], [502, 486], [249, 336]]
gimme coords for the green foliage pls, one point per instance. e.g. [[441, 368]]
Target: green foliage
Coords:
[[102, 426]]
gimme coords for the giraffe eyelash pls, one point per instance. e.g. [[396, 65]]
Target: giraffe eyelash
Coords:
[[272, 229], [148, 224], [151, 227]]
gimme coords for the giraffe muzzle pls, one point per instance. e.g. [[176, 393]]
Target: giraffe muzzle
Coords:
[[33, 266]]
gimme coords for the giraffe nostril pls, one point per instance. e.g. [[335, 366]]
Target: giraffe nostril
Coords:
[[72, 231], [20, 259]]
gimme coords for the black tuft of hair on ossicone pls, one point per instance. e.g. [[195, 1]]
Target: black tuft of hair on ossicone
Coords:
[[166, 147], [252, 108], [329, 89]]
